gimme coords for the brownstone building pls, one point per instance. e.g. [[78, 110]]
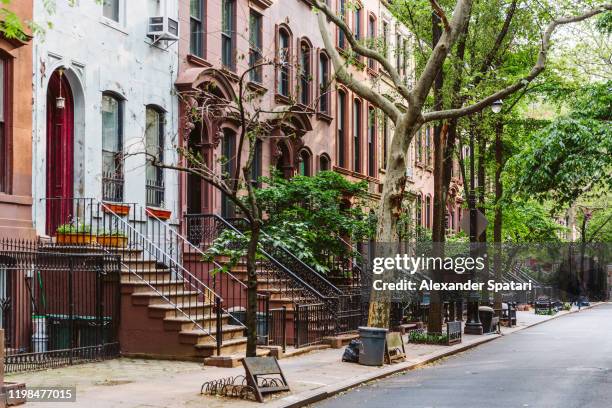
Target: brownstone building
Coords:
[[16, 131]]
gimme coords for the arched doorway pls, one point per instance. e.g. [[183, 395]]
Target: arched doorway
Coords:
[[283, 162], [60, 150]]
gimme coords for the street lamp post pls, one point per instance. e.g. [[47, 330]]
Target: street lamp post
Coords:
[[473, 324]]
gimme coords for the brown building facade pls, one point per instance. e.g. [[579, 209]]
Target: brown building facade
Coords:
[[337, 131], [16, 131]]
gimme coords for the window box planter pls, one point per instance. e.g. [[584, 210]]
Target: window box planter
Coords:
[[112, 241], [74, 234], [160, 213], [75, 238], [117, 208]]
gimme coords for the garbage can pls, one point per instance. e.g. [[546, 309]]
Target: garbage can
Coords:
[[486, 316], [372, 352]]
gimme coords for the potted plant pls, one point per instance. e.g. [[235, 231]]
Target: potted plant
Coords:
[[115, 239], [74, 234]]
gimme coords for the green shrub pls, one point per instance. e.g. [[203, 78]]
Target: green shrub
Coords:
[[73, 229], [427, 338]]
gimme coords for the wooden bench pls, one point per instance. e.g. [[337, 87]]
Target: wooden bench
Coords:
[[406, 327]]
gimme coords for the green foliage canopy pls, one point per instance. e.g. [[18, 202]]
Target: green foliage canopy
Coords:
[[572, 156]]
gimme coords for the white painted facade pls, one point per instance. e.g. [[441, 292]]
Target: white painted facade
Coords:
[[101, 55]]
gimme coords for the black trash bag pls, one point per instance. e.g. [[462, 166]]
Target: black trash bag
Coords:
[[351, 353]]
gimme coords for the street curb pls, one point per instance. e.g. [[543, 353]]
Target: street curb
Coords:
[[313, 396]]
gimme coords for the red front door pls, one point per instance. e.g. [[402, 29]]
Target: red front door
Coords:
[[60, 152]]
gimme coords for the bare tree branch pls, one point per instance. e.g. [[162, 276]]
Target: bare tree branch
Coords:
[[440, 51], [347, 79], [363, 50], [441, 14], [535, 71], [488, 60]]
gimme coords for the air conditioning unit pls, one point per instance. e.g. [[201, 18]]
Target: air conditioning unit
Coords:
[[163, 28]]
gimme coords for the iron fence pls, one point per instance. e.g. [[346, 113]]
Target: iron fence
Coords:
[[277, 327], [312, 323], [57, 308]]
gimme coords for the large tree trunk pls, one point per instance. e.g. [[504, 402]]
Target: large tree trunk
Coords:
[[251, 315], [434, 324], [497, 223], [481, 188], [389, 210]]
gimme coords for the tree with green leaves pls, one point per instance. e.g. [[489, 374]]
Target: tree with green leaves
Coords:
[[572, 156], [316, 217], [409, 111]]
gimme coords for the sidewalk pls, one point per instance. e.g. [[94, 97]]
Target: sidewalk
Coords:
[[152, 383]]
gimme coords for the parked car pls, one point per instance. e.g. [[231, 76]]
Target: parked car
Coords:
[[583, 301], [557, 304]]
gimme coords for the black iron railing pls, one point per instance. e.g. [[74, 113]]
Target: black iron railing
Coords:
[[294, 280], [312, 323], [57, 308], [277, 327], [343, 267], [205, 228], [153, 253], [290, 261]]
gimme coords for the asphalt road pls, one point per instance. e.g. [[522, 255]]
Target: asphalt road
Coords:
[[563, 363]]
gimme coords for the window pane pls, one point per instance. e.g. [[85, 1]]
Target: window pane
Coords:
[[152, 137], [196, 9], [196, 38], [227, 17], [255, 45], [341, 118], [283, 80], [356, 136], [305, 75], [110, 9], [110, 124], [323, 163], [323, 79]]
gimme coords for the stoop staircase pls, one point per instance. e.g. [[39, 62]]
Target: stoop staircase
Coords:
[[166, 310], [174, 302], [282, 278], [164, 317]]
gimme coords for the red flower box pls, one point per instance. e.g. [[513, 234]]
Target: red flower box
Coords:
[[160, 213], [117, 208]]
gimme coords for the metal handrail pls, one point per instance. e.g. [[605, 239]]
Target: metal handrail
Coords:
[[144, 242], [310, 270], [198, 250], [288, 272]]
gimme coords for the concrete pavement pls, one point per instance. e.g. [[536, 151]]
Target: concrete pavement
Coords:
[[150, 383]]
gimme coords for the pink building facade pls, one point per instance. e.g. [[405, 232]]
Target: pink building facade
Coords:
[[336, 130]]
